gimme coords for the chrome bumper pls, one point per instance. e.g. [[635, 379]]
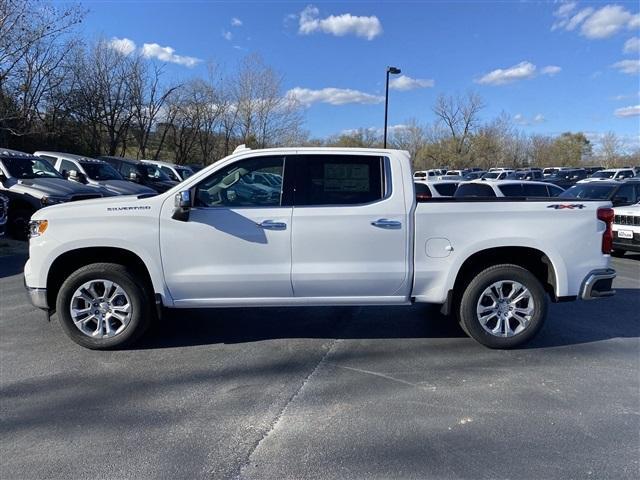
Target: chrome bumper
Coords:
[[598, 284], [38, 297]]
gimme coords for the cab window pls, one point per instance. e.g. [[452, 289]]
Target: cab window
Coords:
[[242, 184], [338, 180]]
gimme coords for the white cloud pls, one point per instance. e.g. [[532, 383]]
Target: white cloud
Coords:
[[569, 20], [236, 22], [595, 24], [122, 45], [630, 67], [227, 35], [550, 70], [338, 25], [404, 83], [632, 45], [501, 76], [521, 119], [631, 111], [167, 54], [565, 9], [608, 21], [333, 96]]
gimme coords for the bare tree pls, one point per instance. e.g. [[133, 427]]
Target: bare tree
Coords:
[[103, 95], [610, 149], [459, 115], [149, 98]]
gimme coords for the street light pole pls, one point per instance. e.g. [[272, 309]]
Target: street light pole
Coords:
[[394, 71]]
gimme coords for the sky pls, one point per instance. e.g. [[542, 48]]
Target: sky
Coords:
[[552, 66]]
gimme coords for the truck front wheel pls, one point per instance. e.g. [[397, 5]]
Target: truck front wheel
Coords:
[[504, 306], [103, 306]]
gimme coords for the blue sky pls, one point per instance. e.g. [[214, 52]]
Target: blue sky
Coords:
[[552, 66]]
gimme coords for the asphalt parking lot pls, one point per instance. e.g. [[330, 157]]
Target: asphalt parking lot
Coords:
[[323, 393]]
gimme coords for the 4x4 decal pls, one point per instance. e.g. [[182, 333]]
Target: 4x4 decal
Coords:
[[567, 206]]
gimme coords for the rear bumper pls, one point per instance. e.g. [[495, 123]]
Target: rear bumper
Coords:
[[598, 284]]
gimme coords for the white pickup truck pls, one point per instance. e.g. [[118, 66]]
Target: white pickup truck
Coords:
[[337, 227]]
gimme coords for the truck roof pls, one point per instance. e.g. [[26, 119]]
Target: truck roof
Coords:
[[5, 152], [69, 156]]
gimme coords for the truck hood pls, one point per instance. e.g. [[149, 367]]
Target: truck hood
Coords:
[[124, 187], [630, 210], [50, 187], [96, 207]]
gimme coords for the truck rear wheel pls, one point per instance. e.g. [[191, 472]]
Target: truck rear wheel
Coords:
[[504, 306], [103, 306]]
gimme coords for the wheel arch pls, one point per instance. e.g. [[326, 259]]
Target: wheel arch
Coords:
[[69, 261], [532, 259]]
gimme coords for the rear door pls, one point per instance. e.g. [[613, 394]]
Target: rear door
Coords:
[[350, 228]]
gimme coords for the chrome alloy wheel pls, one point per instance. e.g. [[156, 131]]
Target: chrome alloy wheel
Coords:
[[100, 308], [505, 308]]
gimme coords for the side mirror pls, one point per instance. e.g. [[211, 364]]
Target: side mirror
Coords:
[[74, 176], [134, 177], [182, 204]]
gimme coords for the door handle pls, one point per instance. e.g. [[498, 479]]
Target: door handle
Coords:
[[388, 224], [272, 225]]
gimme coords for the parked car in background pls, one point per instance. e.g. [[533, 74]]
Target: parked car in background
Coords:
[[195, 167], [31, 183], [4, 214], [449, 178], [549, 171], [93, 173], [591, 170], [347, 230], [175, 172], [496, 174], [427, 175], [436, 189], [567, 177], [618, 193], [626, 229], [610, 174], [473, 175], [145, 174], [507, 188], [525, 174]]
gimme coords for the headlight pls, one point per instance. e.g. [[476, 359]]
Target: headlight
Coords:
[[51, 200], [37, 228]]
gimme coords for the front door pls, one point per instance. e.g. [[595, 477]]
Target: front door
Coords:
[[236, 243]]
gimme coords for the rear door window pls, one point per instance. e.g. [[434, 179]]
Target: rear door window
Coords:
[[474, 190], [338, 180], [512, 190], [446, 189], [533, 190]]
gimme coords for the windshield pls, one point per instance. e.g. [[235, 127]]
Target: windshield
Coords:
[[100, 171], [184, 172], [153, 172], [24, 168], [603, 174], [491, 175], [589, 192]]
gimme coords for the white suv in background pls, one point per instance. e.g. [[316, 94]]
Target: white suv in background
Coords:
[[426, 175], [626, 229], [507, 188], [610, 174], [175, 172]]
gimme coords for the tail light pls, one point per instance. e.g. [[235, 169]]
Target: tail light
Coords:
[[606, 215], [423, 197]]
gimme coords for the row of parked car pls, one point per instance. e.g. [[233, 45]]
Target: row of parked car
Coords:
[[32, 181], [561, 176]]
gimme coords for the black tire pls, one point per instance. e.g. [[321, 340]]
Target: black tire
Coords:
[[468, 316], [140, 298], [18, 223]]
